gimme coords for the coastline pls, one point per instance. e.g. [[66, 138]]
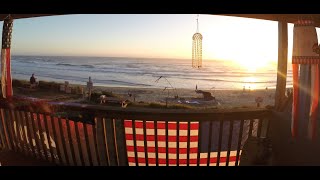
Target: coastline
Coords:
[[223, 98]]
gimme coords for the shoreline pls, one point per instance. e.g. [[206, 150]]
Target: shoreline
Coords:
[[223, 98]]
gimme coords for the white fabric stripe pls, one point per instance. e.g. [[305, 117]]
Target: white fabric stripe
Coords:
[[128, 131], [132, 164], [151, 155], [150, 131], [172, 132], [129, 142], [130, 154], [139, 131], [161, 144], [151, 144], [161, 155], [193, 144], [183, 132], [161, 132], [141, 154], [183, 156]]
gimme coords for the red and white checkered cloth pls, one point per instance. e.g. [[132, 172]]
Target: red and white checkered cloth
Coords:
[[172, 145]]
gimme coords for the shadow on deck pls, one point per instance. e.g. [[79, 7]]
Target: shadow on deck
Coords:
[[11, 158]]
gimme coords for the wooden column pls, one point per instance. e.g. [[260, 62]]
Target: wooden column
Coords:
[[282, 64]]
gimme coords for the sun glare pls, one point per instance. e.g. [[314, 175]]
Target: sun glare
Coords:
[[252, 64], [249, 83]]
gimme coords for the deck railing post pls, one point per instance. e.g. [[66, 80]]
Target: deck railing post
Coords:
[[282, 64]]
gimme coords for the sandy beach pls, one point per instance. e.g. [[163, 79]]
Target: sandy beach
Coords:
[[223, 98]]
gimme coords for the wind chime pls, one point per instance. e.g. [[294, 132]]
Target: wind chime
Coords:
[[197, 48], [305, 69]]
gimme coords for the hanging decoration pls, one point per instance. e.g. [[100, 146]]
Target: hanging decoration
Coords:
[[197, 48], [305, 69], [6, 82]]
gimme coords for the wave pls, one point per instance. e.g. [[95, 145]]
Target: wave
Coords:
[[232, 81], [74, 65]]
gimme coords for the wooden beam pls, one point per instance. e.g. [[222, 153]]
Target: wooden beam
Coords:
[[282, 64]]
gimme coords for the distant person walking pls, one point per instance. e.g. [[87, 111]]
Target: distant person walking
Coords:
[[89, 87]]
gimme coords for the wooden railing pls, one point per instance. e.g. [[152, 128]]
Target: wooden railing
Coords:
[[77, 134]]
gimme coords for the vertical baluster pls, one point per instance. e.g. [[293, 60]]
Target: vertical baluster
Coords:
[[121, 142], [29, 132], [79, 144], [209, 143], [250, 127], [177, 139], [42, 139], [34, 134], [115, 141], [109, 125], [24, 133], [188, 144], [199, 144], [260, 121], [135, 142], [10, 122], [268, 127], [85, 125], [3, 133], [156, 141], [5, 129], [145, 142], [101, 145], [64, 145], [17, 124], [72, 149], [95, 143], [229, 141], [167, 142], [55, 136], [239, 141], [220, 140], [48, 137], [106, 141]]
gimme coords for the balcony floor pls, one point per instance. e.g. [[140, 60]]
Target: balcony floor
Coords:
[[11, 158]]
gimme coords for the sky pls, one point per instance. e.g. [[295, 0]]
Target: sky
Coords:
[[148, 35]]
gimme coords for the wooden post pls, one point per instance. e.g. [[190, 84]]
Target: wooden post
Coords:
[[282, 64]]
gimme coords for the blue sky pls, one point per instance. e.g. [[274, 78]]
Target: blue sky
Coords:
[[146, 35]]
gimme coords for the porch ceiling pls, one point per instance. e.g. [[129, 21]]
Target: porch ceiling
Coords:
[[289, 18]]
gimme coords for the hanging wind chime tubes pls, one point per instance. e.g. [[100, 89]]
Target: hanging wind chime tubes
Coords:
[[305, 70], [197, 49]]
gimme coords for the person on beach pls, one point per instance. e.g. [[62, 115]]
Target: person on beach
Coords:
[[33, 82], [89, 87]]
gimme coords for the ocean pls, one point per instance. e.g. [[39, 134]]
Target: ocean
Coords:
[[143, 72]]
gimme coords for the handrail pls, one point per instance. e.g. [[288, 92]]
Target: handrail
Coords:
[[82, 134], [65, 108]]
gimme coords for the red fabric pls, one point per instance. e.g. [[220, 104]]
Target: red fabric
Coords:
[[295, 76]]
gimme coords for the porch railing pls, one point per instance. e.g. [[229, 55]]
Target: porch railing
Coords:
[[75, 134]]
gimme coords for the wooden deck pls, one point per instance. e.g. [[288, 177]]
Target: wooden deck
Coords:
[[11, 158]]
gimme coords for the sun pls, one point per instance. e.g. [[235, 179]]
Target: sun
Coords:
[[252, 64]]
